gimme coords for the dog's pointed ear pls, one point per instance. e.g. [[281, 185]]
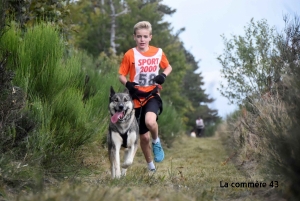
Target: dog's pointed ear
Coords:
[[112, 91], [126, 91]]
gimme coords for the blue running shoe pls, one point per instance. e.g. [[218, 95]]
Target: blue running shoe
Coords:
[[158, 152]]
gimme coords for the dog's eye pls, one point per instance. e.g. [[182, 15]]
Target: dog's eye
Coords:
[[116, 100], [125, 100]]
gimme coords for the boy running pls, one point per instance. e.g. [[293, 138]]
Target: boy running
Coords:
[[142, 63]]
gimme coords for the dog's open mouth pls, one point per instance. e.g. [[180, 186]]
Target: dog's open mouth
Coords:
[[118, 116]]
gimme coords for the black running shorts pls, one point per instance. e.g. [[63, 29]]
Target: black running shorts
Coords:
[[153, 105]]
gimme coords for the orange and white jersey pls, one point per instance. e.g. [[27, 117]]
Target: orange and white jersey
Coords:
[[142, 67], [146, 68]]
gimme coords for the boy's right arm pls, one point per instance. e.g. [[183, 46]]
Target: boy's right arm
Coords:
[[122, 79], [124, 69]]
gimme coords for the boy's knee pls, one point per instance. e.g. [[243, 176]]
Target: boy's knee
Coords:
[[151, 123]]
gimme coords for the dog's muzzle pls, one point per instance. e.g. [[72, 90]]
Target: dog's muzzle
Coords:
[[120, 114]]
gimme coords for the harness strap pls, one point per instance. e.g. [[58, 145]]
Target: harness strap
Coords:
[[147, 96], [124, 137], [136, 96]]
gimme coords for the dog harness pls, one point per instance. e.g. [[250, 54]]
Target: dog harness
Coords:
[[124, 137], [147, 96]]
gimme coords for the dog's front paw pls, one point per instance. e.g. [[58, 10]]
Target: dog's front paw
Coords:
[[117, 176], [116, 173], [126, 164], [123, 172]]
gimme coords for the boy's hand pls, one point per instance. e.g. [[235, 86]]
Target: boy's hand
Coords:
[[160, 79], [130, 87]]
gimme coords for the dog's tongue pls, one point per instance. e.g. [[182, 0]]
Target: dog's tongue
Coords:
[[116, 116]]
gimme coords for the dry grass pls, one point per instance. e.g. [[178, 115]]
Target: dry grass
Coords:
[[192, 170]]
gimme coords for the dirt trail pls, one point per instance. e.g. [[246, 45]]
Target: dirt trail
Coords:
[[194, 169]]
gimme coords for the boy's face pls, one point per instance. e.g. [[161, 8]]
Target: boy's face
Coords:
[[142, 38]]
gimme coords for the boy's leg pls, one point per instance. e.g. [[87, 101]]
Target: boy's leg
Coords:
[[145, 139], [145, 146], [150, 120], [148, 123]]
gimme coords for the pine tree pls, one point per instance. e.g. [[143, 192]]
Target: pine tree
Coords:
[[193, 90]]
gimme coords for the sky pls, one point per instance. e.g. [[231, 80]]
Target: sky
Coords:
[[206, 20]]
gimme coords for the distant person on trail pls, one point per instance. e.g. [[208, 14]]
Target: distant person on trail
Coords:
[[199, 126]]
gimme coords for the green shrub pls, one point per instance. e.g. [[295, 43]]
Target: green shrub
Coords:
[[170, 123], [267, 129], [211, 129], [66, 95]]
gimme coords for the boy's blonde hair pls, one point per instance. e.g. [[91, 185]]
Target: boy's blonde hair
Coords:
[[142, 25]]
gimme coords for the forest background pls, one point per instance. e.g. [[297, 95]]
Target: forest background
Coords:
[[59, 58], [58, 61]]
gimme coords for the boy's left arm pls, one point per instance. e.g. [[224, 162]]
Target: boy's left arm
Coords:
[[167, 70], [160, 79]]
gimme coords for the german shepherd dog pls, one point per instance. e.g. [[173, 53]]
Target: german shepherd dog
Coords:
[[123, 131]]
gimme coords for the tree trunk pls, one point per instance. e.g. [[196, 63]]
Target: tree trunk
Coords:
[[113, 27], [102, 7], [113, 15]]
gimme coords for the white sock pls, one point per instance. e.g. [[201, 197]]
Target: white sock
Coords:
[[151, 165], [156, 140]]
